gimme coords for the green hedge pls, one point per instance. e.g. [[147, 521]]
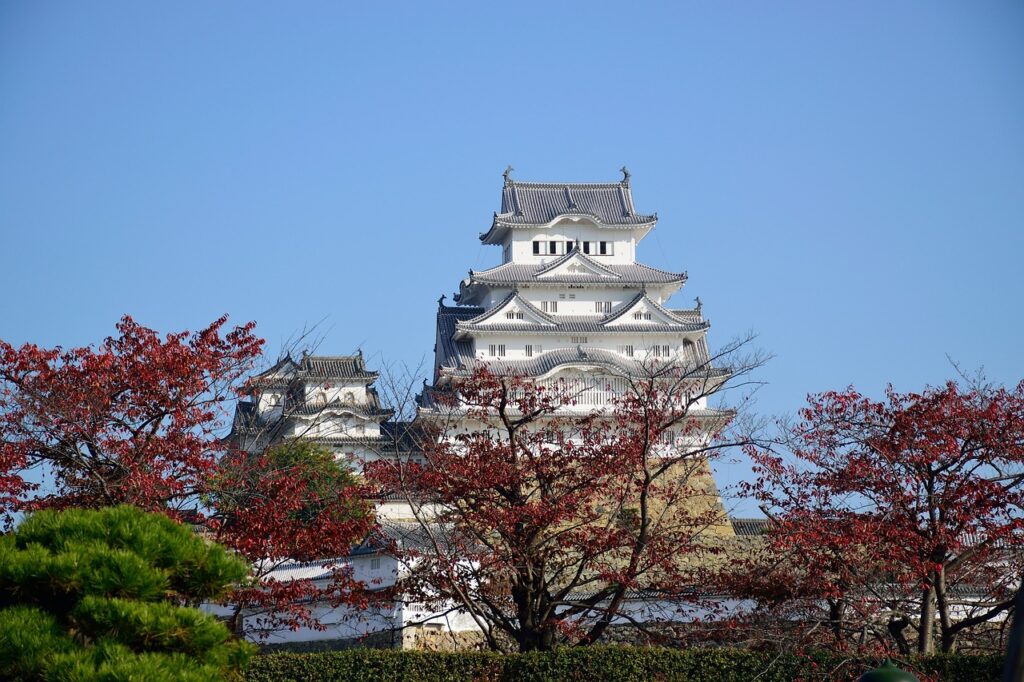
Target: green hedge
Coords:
[[611, 663]]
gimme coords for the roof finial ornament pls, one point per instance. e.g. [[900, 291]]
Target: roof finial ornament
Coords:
[[625, 175], [699, 304], [440, 301], [508, 175]]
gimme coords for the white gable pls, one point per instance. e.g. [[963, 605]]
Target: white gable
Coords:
[[576, 264], [642, 311], [514, 310]]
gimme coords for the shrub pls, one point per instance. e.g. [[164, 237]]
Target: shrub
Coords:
[[599, 663], [100, 595]]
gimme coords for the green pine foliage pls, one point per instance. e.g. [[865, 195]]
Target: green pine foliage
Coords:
[[110, 595], [599, 664]]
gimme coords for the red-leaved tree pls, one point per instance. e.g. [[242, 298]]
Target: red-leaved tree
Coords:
[[545, 522], [902, 515], [133, 420], [295, 503], [137, 420]]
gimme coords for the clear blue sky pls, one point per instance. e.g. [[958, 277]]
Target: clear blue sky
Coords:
[[846, 179]]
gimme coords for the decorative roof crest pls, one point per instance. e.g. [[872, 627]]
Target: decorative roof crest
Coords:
[[625, 176], [508, 175]]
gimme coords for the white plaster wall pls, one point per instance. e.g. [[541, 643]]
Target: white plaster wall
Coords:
[[332, 390], [624, 241]]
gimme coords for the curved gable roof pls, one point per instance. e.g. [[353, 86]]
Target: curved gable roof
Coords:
[[594, 268]]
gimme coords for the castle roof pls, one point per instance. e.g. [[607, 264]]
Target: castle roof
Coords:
[[368, 411], [534, 204], [335, 367], [452, 352], [315, 368], [589, 272], [537, 322]]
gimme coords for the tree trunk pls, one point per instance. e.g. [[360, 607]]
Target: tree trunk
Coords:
[[948, 637], [536, 639], [896, 627], [835, 619], [926, 632], [1013, 667]]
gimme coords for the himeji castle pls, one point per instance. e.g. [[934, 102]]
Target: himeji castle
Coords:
[[569, 299], [569, 302]]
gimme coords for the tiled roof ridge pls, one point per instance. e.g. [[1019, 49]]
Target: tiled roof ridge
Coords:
[[458, 309], [501, 219], [582, 324], [533, 184], [533, 270]]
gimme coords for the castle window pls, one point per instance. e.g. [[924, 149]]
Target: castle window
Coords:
[[550, 248], [375, 563], [626, 350], [602, 306], [549, 306], [569, 246], [513, 315], [501, 350], [529, 350], [605, 248], [579, 339], [641, 316], [586, 247]]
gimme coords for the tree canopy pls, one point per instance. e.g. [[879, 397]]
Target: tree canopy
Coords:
[[112, 594]]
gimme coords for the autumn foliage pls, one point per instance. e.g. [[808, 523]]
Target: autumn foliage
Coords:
[[895, 513], [133, 420], [541, 524], [293, 503], [138, 420]]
